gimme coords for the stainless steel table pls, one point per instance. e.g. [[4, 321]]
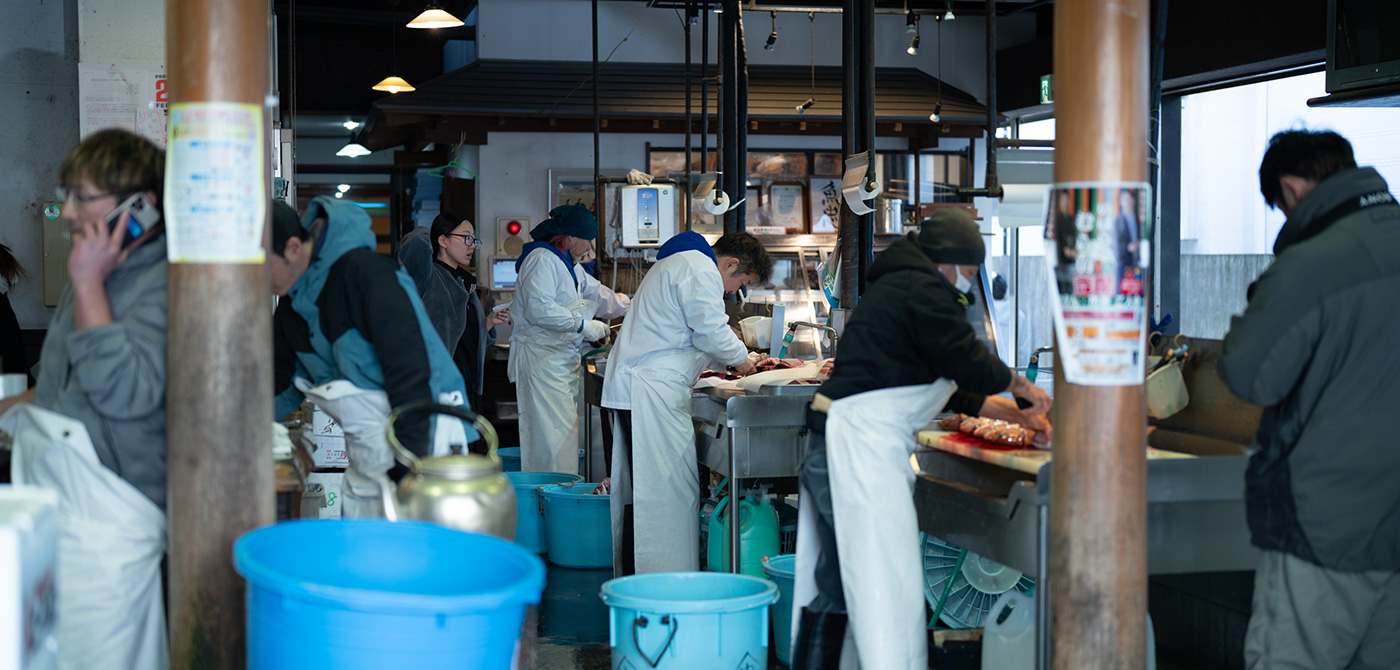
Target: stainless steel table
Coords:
[[737, 434], [745, 436]]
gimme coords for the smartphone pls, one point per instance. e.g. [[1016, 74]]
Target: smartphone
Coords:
[[143, 215]]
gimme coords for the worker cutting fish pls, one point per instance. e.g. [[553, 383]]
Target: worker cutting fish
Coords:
[[907, 353]]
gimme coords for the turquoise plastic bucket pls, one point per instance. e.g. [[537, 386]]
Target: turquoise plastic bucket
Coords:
[[689, 620], [368, 593], [782, 570], [510, 459], [529, 522], [577, 525]]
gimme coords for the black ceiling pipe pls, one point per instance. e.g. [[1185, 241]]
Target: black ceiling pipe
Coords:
[[732, 168], [705, 88], [597, 118], [689, 132], [741, 121], [866, 132]]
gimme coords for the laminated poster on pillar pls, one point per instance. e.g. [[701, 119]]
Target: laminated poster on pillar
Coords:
[[1097, 237], [215, 190]]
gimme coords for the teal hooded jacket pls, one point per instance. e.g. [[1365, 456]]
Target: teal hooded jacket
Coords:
[[354, 314]]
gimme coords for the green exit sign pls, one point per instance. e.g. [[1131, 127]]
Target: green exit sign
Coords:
[[1047, 88]]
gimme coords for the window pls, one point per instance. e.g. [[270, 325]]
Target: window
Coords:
[[1223, 137]]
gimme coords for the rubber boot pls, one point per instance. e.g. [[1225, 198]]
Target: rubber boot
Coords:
[[819, 638]]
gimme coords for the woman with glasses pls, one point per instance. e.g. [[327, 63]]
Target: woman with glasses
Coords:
[[93, 428], [439, 258]]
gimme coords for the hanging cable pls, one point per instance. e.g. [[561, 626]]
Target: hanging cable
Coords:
[[937, 114], [812, 33]]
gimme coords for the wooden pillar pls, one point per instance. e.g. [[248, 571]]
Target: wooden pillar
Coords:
[[1098, 505], [219, 401]]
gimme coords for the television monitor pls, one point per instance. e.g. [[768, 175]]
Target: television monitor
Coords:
[[1362, 50], [502, 272]]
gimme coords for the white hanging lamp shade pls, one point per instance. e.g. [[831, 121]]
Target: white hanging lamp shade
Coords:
[[434, 17], [393, 85], [353, 149]]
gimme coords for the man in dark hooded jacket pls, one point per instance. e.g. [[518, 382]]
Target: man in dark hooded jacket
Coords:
[[907, 352], [1314, 349]]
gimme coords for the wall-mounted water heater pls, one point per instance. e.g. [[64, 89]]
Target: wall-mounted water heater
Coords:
[[648, 215]]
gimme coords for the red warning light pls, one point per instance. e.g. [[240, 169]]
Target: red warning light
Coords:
[[513, 227]]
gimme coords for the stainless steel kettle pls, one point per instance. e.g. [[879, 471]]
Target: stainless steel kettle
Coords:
[[462, 490]]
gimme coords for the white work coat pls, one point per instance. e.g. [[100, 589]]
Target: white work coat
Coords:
[[676, 328], [547, 314]]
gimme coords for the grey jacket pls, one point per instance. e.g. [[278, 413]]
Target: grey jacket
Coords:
[[1315, 347], [112, 378], [449, 304]]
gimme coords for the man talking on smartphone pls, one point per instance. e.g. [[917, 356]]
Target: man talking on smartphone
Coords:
[[93, 428]]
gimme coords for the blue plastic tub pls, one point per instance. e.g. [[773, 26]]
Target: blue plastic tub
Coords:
[[529, 521], [577, 525], [782, 570], [510, 459], [368, 593], [689, 620]]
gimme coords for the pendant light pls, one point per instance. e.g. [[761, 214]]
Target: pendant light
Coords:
[[353, 148], [812, 43], [392, 83], [434, 16]]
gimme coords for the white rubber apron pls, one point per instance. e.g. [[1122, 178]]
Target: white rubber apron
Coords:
[[111, 613], [363, 415], [664, 487], [869, 438], [546, 373]]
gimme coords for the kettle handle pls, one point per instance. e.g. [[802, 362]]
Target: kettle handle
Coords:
[[408, 459]]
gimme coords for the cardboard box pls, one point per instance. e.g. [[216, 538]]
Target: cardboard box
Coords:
[[331, 483], [28, 602], [328, 442]]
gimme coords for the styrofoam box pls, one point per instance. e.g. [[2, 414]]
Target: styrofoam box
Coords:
[[28, 603], [332, 482], [329, 442]]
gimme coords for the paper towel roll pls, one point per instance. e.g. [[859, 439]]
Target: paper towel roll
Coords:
[[1022, 205], [709, 203], [855, 190]]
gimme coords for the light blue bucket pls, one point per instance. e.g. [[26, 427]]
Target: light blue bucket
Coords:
[[689, 620], [577, 525], [510, 459], [368, 593], [782, 570], [529, 522]]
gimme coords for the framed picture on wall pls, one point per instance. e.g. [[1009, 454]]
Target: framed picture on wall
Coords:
[[575, 187], [787, 206]]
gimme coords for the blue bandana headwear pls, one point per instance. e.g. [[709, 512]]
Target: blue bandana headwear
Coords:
[[571, 220]]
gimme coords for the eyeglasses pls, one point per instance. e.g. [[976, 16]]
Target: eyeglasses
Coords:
[[467, 239], [64, 194]]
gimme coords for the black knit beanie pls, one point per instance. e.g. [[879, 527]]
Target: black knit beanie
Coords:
[[950, 236]]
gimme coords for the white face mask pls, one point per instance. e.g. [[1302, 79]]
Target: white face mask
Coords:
[[963, 284]]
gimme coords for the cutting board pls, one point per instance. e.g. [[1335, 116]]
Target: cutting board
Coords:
[[1021, 460]]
